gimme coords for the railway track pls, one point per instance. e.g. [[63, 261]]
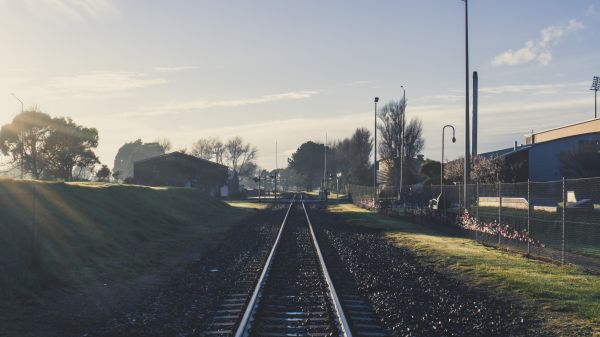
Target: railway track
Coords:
[[293, 293]]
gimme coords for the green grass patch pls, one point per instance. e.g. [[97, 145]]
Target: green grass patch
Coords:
[[563, 289], [92, 232]]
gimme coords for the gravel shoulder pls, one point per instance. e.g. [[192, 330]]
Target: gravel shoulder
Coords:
[[561, 300]]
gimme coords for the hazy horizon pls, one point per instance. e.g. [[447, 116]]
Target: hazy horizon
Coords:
[[294, 71]]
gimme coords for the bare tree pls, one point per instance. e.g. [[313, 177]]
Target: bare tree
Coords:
[[165, 144], [239, 153], [219, 150], [204, 148], [391, 117]]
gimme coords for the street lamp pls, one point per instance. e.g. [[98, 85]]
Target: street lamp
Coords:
[[442, 162], [596, 87], [257, 180], [375, 155], [337, 184]]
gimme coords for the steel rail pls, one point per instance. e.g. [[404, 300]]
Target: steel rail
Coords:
[[342, 321], [245, 324]]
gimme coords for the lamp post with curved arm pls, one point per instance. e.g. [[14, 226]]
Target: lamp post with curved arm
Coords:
[[442, 162]]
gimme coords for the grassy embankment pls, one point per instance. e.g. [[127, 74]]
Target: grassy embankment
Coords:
[[555, 289], [95, 232]]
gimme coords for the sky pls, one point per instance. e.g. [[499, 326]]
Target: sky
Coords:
[[291, 71]]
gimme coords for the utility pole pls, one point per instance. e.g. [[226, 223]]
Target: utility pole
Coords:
[[375, 155], [596, 87], [467, 171], [276, 171], [21, 136], [402, 140], [325, 169]]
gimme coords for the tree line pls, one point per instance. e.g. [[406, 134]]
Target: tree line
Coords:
[[349, 159]]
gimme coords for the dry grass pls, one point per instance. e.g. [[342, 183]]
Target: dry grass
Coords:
[[247, 204]]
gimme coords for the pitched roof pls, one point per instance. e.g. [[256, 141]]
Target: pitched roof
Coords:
[[184, 156]]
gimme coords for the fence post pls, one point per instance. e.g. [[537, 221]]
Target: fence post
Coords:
[[528, 217], [562, 256], [477, 201], [477, 211], [499, 209]]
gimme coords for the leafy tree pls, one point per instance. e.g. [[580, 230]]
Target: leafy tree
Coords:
[[24, 139], [239, 154], [430, 170], [352, 157], [67, 146], [116, 175], [308, 162], [103, 173], [48, 147], [132, 152]]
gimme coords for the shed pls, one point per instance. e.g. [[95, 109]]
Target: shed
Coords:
[[181, 170]]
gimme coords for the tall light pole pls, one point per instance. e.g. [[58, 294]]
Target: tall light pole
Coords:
[[325, 169], [18, 99], [596, 87], [442, 161], [276, 171], [402, 140], [21, 136], [467, 172], [375, 155]]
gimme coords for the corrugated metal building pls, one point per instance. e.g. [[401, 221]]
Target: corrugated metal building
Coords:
[[553, 154]]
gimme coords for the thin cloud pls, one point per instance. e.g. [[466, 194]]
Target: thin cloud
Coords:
[[78, 10], [591, 10], [102, 82], [223, 103], [538, 88], [539, 50], [176, 68], [359, 83]]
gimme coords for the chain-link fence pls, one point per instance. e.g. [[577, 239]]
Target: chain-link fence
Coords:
[[556, 220]]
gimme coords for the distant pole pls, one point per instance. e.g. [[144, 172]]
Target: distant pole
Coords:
[[21, 136], [276, 172], [402, 141], [596, 87], [375, 155], [18, 99], [467, 171], [325, 168], [475, 112]]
